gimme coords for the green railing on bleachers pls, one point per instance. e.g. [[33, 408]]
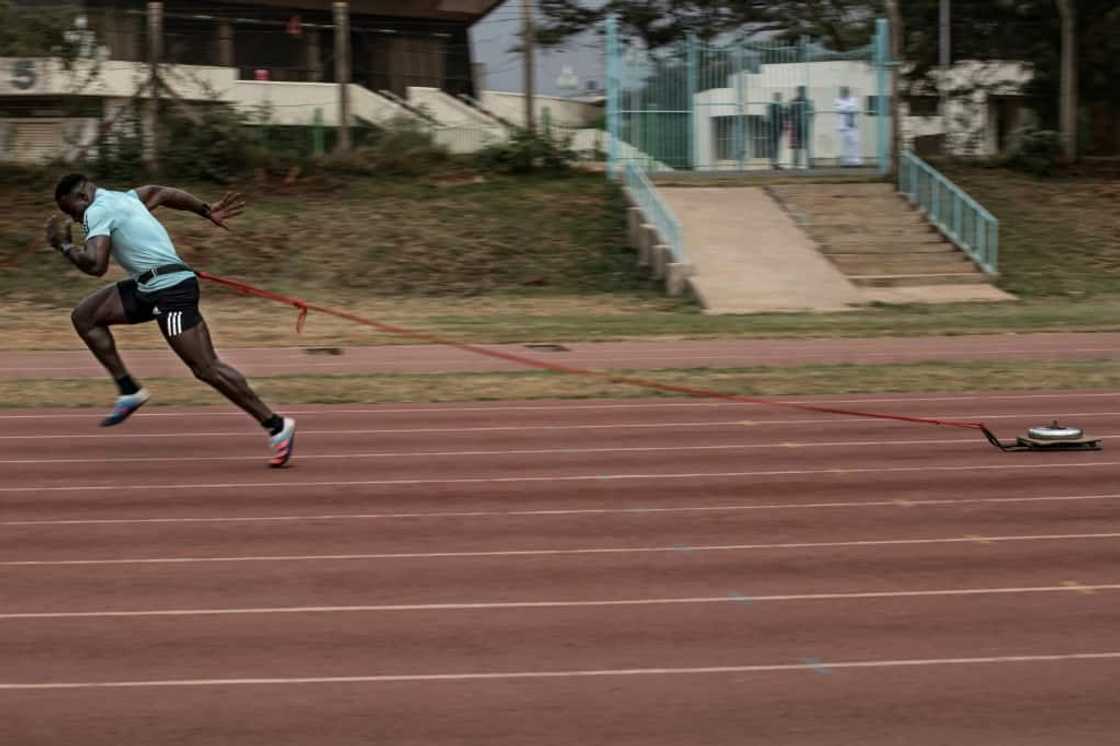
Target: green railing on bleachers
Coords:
[[958, 216]]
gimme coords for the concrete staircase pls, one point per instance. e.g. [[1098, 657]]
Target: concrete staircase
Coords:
[[875, 237]]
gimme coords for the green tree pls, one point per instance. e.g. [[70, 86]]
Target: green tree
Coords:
[[656, 23], [839, 24], [1030, 31], [36, 32]]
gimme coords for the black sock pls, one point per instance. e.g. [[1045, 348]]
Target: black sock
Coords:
[[127, 386], [273, 424]]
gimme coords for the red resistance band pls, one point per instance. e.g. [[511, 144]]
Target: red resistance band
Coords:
[[304, 307]]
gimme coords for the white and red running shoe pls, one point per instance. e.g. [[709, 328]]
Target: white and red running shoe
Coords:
[[282, 444]]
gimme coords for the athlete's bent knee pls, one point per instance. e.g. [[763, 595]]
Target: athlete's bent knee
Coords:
[[82, 320], [207, 373]]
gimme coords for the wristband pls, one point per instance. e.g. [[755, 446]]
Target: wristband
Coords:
[[205, 211]]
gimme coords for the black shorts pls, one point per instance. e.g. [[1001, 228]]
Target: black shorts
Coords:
[[175, 309]]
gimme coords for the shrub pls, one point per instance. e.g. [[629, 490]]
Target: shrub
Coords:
[[527, 152], [214, 144], [1036, 152], [402, 148]]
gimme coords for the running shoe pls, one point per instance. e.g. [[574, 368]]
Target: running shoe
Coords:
[[125, 406], [283, 443]]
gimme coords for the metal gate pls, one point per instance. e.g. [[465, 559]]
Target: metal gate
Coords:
[[742, 105]]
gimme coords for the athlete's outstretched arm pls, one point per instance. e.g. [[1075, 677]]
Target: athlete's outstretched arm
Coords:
[[92, 258], [229, 206]]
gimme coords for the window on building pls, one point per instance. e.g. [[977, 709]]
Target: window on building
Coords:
[[923, 106], [728, 137], [876, 105]]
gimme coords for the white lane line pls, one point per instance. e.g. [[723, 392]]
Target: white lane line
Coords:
[[397, 430], [485, 606], [978, 540], [559, 512], [1008, 465], [814, 666], [517, 451], [328, 410], [818, 421]]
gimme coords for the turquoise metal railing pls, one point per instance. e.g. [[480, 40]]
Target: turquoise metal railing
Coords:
[[655, 210], [883, 75], [962, 220], [614, 86]]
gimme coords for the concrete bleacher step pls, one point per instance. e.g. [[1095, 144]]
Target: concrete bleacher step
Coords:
[[812, 189], [878, 264], [875, 237], [891, 248], [901, 242], [911, 280], [879, 234], [848, 222]]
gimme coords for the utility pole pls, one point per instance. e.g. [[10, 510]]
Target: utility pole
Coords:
[[151, 115], [342, 71], [529, 43], [894, 15], [1069, 101], [946, 59]]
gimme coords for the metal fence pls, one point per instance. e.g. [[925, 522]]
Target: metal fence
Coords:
[[962, 220], [745, 104], [655, 210]]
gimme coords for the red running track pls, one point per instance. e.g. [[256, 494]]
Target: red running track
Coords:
[[265, 361], [653, 572]]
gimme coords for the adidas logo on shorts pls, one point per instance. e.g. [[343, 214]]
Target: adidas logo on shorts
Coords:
[[155, 311]]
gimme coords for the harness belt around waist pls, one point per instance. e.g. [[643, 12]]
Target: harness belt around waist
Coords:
[[166, 269]]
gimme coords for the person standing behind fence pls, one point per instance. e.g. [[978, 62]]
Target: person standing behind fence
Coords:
[[801, 128], [847, 126], [777, 121]]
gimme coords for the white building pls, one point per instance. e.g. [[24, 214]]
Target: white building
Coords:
[[274, 56], [986, 107]]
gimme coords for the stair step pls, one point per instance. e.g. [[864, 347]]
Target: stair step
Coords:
[[902, 265], [917, 239], [849, 200], [819, 191], [901, 233], [856, 207], [888, 248], [916, 280], [875, 236], [893, 216]]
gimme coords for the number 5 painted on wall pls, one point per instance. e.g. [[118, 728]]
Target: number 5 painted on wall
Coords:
[[24, 76]]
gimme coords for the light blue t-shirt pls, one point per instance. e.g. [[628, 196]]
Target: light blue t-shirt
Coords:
[[140, 242]]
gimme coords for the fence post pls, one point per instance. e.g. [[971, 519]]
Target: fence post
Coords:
[[317, 140], [342, 71], [811, 116], [993, 254], [693, 90], [151, 115], [883, 104], [956, 216], [740, 115], [614, 91]]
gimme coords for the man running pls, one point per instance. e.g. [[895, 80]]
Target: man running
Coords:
[[159, 287]]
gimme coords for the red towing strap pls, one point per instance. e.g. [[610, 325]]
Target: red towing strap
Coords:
[[304, 307]]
